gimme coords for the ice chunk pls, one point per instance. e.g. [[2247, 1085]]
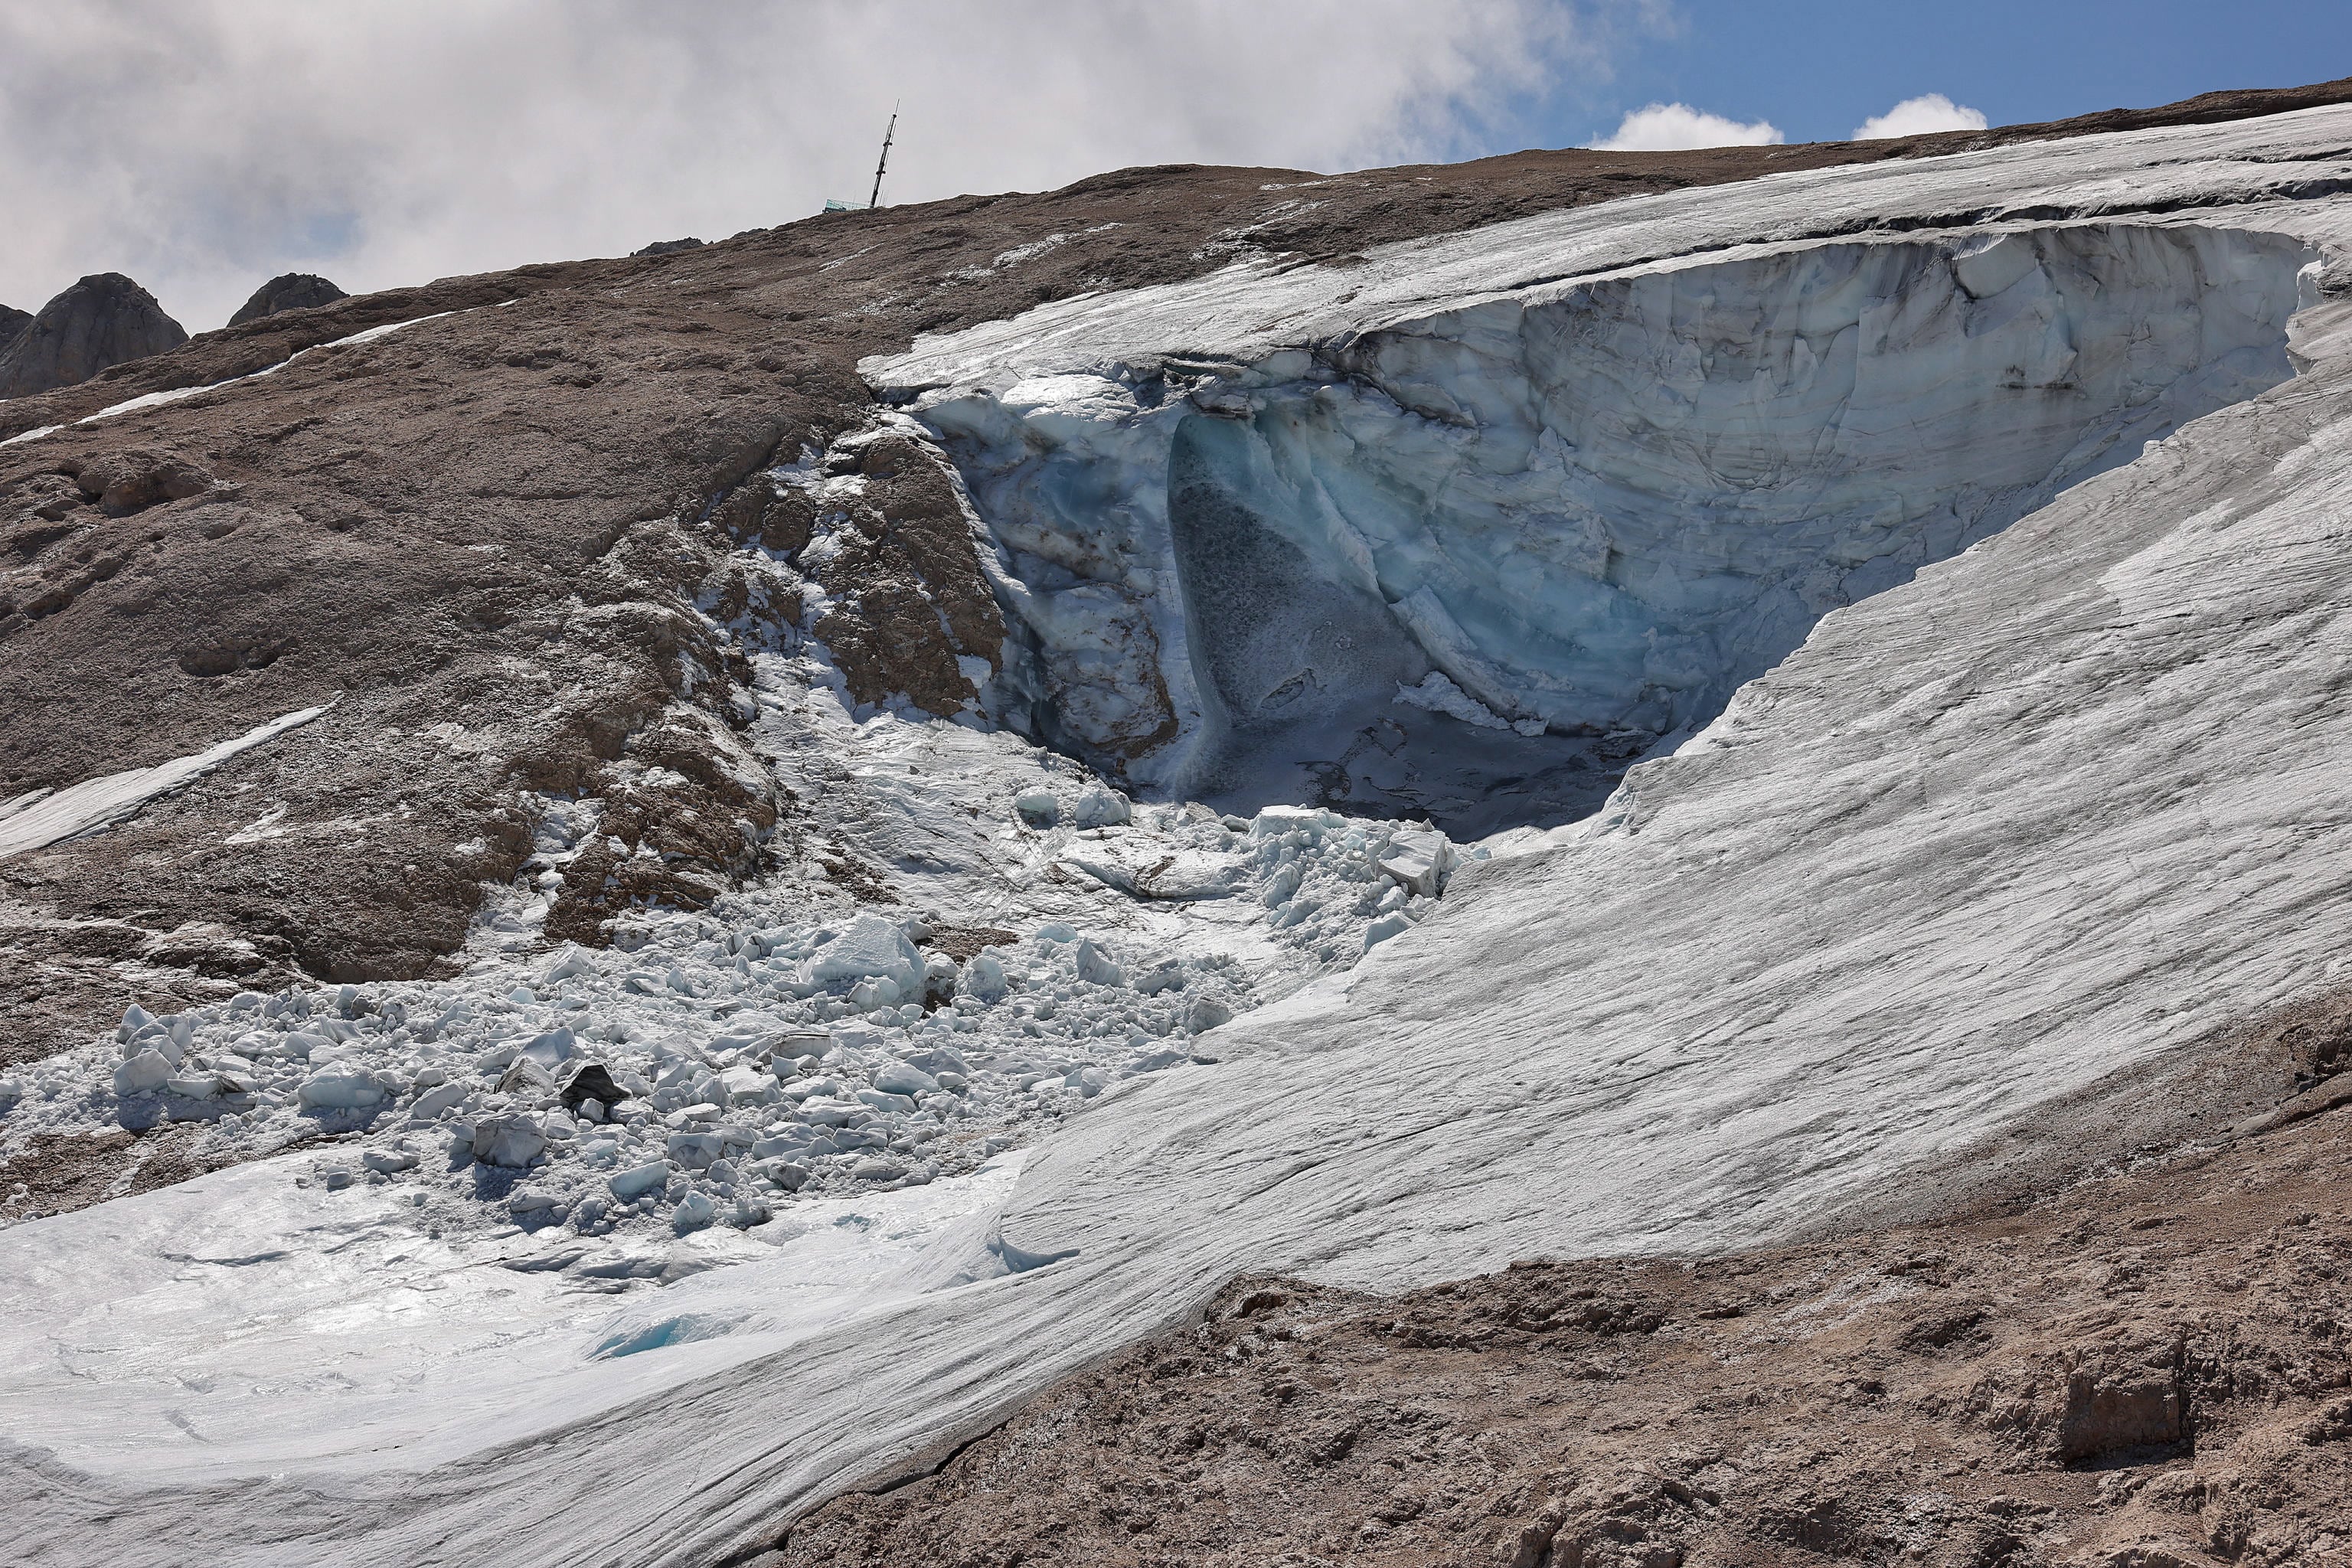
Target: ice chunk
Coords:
[[695, 1210], [1100, 808], [434, 1101], [638, 1180], [983, 977], [1437, 694], [1038, 807], [1095, 966], [871, 948], [513, 1140], [143, 1074], [341, 1088], [1419, 858], [1387, 926], [900, 1078]]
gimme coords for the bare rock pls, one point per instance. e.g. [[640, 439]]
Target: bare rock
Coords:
[[139, 477], [286, 292], [12, 321], [103, 321], [669, 246]]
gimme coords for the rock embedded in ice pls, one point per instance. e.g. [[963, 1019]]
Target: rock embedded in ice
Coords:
[[590, 1081]]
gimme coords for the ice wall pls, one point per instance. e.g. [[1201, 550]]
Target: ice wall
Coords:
[[1592, 508]]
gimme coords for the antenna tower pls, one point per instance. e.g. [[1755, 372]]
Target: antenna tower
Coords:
[[876, 199]]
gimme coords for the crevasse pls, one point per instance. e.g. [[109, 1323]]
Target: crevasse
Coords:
[[1467, 564]]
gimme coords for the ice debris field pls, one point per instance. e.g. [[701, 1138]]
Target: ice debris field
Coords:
[[729, 1060]]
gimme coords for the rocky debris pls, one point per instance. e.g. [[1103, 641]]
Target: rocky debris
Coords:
[[57, 1172], [105, 319], [286, 292], [2148, 1369], [669, 246]]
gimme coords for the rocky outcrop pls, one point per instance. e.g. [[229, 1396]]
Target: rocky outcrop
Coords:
[[286, 292], [12, 321], [103, 321], [669, 246]]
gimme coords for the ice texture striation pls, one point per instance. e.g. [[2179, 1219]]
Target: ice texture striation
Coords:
[[1595, 509]]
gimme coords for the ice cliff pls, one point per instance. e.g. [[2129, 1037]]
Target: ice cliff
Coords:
[[1592, 507]]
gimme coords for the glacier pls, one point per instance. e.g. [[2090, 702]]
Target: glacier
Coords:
[[1994, 777], [1595, 508]]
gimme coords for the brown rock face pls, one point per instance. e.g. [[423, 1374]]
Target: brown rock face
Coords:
[[286, 292], [2150, 1369], [103, 321]]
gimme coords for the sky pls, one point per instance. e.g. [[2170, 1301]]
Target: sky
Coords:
[[204, 145]]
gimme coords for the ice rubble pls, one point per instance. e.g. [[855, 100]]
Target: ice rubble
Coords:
[[711, 1065], [1466, 563]]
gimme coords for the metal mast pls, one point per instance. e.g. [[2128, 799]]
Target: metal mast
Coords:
[[876, 199]]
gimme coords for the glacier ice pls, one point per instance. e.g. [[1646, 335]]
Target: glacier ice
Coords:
[[1587, 512]]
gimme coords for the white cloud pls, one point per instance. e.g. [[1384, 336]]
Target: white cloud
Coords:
[[1921, 116], [1679, 128], [202, 145]]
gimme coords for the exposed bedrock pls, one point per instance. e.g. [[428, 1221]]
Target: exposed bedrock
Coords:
[[1470, 563], [286, 292], [103, 321]]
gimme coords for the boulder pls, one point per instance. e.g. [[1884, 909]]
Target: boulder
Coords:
[[286, 292], [588, 1081], [103, 321]]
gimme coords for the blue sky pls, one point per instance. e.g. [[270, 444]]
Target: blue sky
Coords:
[[1816, 68]]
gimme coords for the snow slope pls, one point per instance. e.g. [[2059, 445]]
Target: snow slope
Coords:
[[2053, 812]]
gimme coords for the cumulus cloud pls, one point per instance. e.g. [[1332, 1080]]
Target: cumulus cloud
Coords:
[[1920, 116], [1677, 128], [201, 145]]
